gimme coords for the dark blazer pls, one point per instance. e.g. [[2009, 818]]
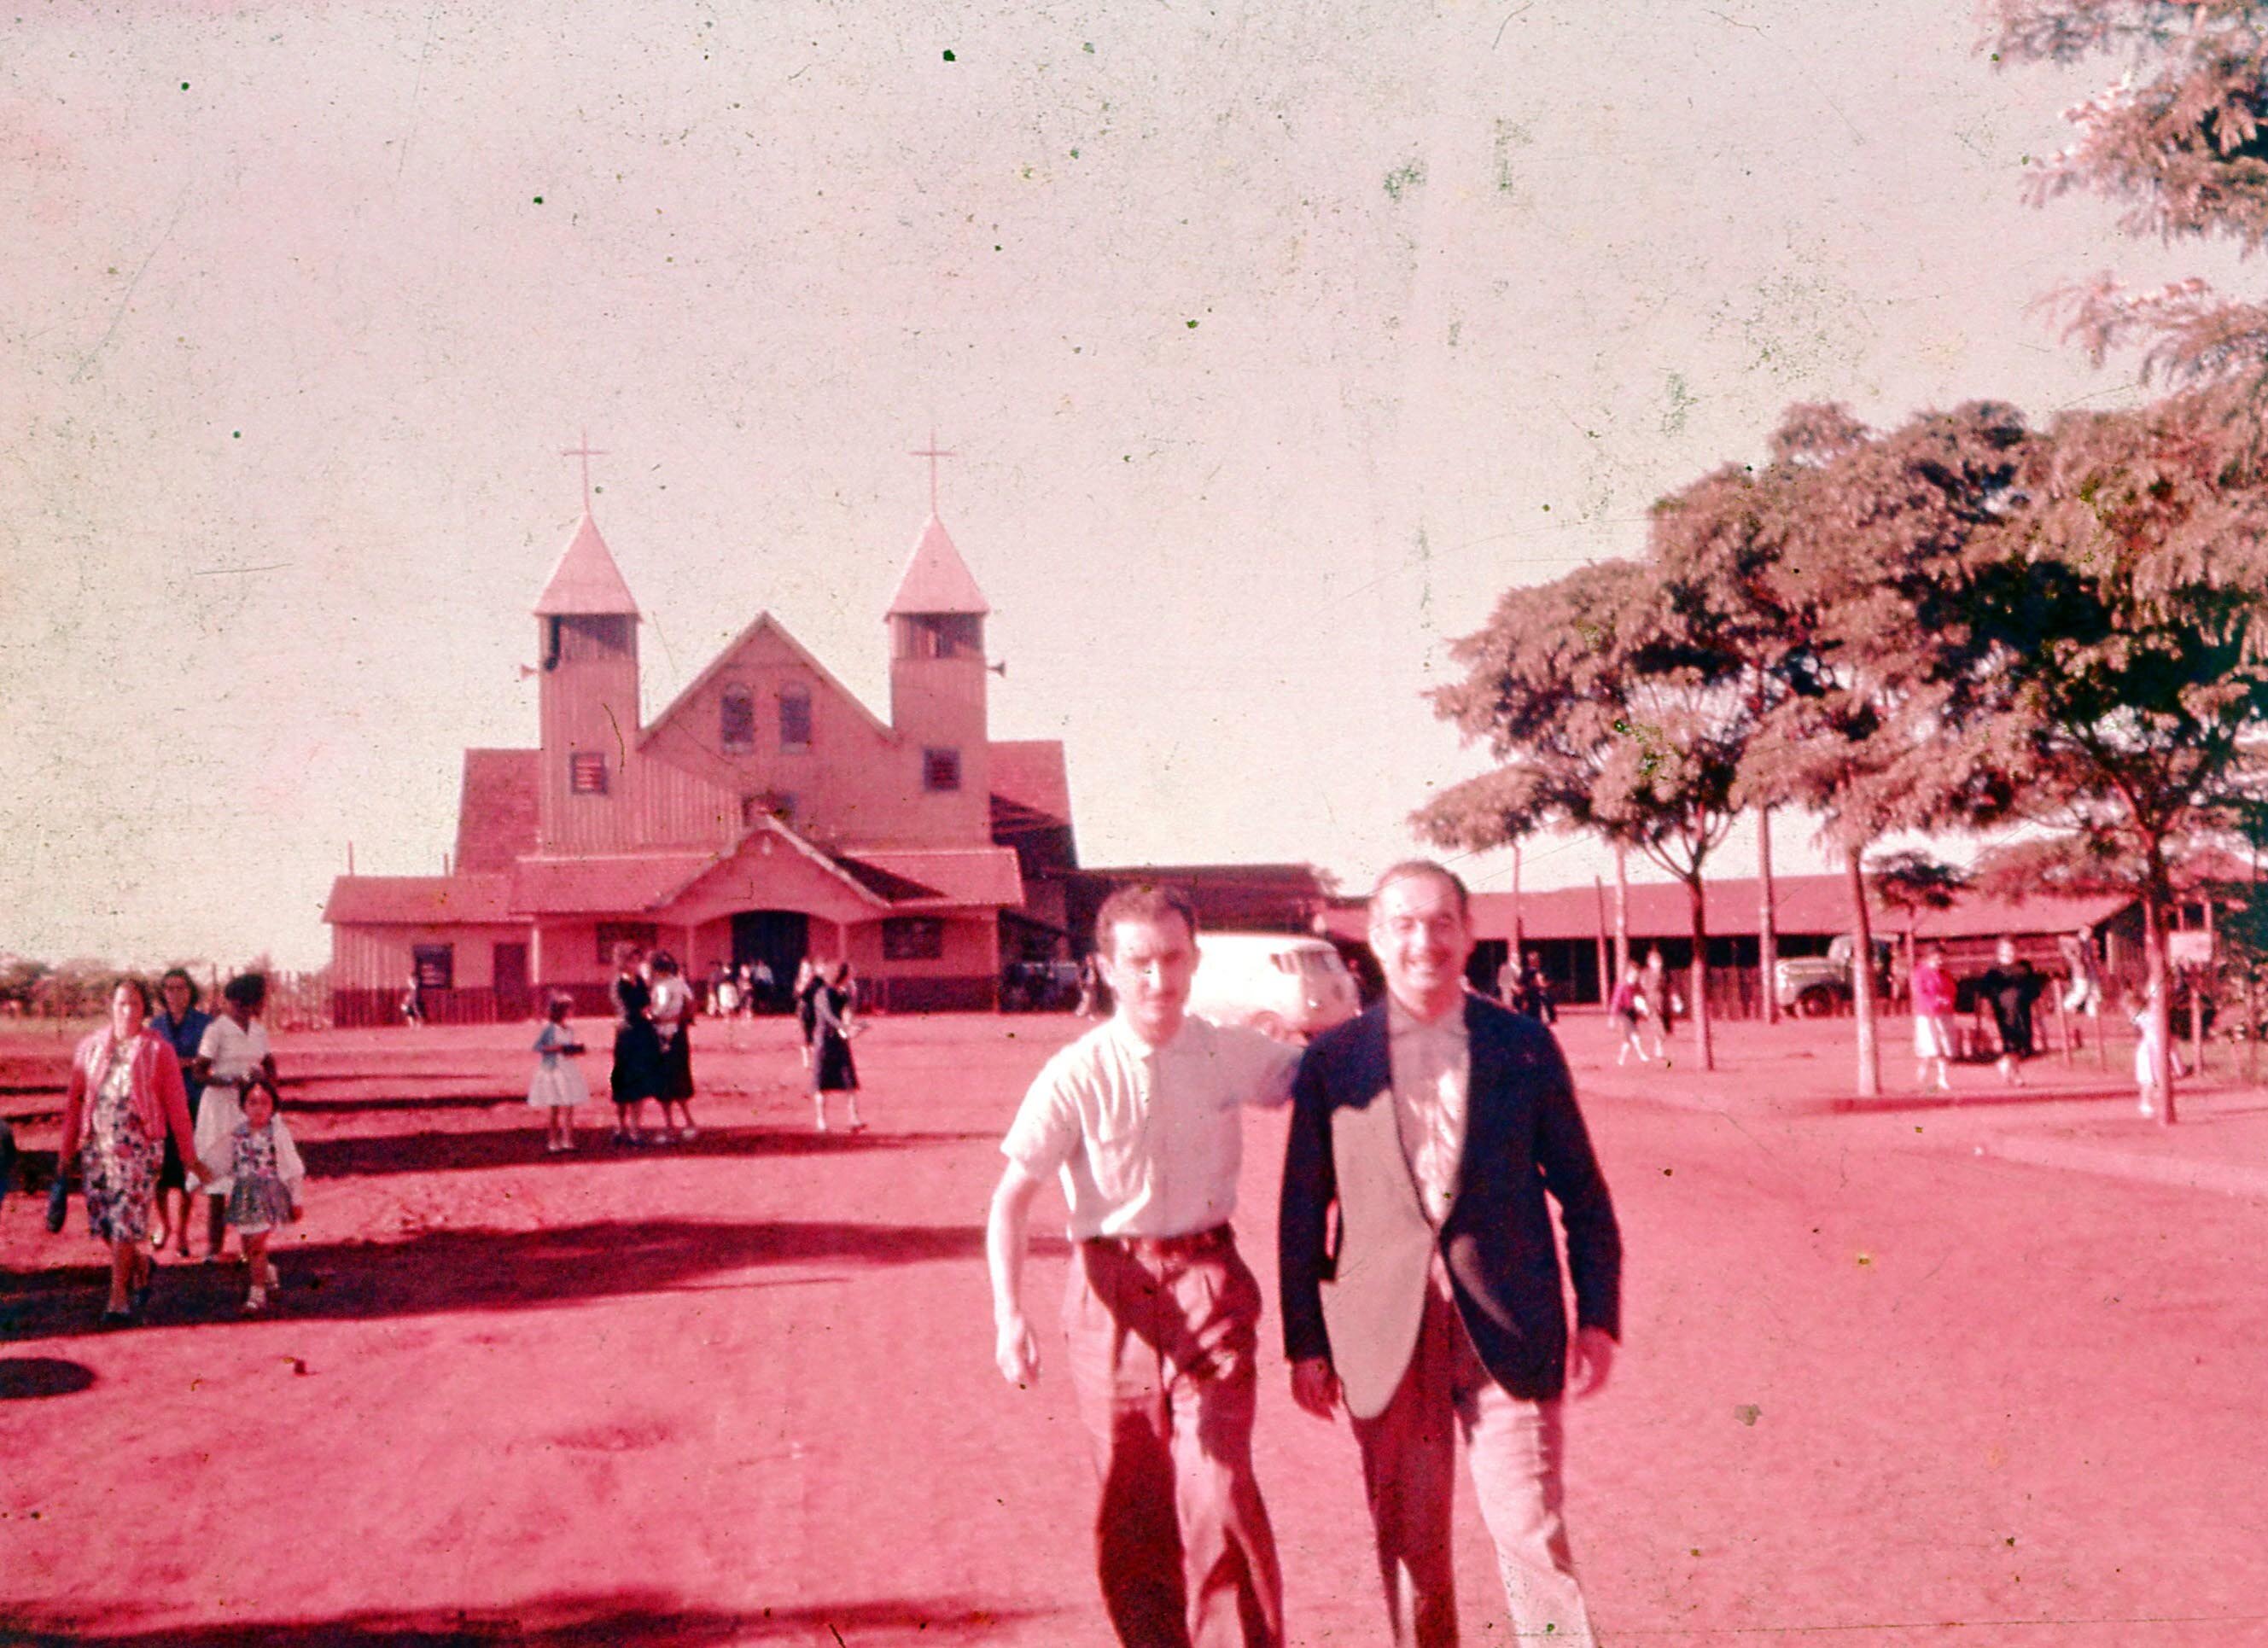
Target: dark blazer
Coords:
[[1523, 1136]]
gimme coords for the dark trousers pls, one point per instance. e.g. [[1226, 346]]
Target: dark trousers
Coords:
[[1162, 1357]]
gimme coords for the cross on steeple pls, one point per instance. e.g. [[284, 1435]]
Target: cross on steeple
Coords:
[[586, 453], [931, 452]]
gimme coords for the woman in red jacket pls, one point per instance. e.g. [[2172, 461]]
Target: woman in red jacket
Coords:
[[125, 1097]]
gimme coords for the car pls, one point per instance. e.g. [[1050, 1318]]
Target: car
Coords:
[[1280, 984]]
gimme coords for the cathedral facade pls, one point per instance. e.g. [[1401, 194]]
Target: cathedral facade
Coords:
[[766, 813]]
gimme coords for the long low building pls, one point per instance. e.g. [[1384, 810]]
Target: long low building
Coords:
[[1571, 930]]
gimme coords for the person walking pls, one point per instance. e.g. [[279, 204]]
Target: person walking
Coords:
[[2011, 989], [264, 1175], [558, 1088], [637, 1072], [1429, 1131], [233, 1052], [833, 1069], [125, 1094], [1932, 1018], [1623, 1006], [671, 1010], [180, 1021], [1141, 1119]]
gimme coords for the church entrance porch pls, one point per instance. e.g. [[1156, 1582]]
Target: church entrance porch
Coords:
[[778, 938]]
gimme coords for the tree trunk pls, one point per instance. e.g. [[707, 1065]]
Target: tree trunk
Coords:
[[2159, 1003], [1767, 927], [1700, 972], [1862, 978], [1622, 910], [1519, 933]]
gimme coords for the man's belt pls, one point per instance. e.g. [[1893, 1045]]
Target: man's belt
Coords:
[[1154, 1249]]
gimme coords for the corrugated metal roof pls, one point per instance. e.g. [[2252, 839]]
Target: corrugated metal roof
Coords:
[[585, 581], [418, 900], [496, 808], [1029, 773], [936, 579], [604, 884], [1809, 904]]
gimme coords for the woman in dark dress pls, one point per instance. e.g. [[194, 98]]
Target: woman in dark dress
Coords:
[[183, 1025], [671, 1010], [832, 1067], [637, 1050]]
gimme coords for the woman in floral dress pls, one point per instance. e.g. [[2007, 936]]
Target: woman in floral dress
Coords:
[[125, 1097]]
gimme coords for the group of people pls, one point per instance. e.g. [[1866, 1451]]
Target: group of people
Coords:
[[164, 1105], [1420, 1282], [653, 1054], [1523, 986], [1642, 1003], [737, 992]]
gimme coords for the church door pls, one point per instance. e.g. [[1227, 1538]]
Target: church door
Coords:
[[509, 962], [780, 939]]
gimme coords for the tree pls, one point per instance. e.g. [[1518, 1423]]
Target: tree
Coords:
[[1913, 882], [1723, 549], [2124, 608], [1599, 724], [2182, 142], [1873, 544]]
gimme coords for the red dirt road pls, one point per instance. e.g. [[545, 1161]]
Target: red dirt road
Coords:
[[1875, 1390]]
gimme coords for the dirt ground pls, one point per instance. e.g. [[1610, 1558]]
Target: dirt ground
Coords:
[[1876, 1389]]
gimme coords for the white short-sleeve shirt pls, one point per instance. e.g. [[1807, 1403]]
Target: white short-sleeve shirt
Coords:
[[234, 1053], [1149, 1141]]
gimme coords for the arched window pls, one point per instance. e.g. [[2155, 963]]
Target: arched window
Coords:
[[736, 721], [795, 716]]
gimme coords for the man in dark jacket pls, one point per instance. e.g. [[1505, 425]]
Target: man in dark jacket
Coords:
[[1434, 1124]]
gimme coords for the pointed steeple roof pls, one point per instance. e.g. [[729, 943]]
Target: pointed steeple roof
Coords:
[[936, 579], [585, 581]]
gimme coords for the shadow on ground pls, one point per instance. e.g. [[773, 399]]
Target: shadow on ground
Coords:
[[431, 1152], [630, 1620], [447, 1270], [25, 1378]]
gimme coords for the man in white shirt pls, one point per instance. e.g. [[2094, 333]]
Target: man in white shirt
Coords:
[[1142, 1119], [1433, 1127]]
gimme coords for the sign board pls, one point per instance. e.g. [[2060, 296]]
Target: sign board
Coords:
[[2190, 949]]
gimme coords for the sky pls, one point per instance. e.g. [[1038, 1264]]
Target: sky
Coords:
[[1274, 343]]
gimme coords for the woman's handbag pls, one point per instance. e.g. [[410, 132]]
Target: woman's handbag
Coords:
[[58, 1201]]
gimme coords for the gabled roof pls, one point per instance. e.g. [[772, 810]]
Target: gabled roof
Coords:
[[1028, 775], [496, 808], [418, 900], [585, 581], [802, 654], [936, 579]]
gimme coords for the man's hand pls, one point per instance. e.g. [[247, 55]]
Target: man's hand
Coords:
[[1589, 1360], [1315, 1387], [1015, 1352]]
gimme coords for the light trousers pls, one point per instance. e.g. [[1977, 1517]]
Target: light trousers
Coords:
[[1513, 1448], [1161, 1357]]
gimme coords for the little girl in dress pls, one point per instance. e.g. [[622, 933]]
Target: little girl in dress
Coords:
[[558, 1085], [264, 1173]]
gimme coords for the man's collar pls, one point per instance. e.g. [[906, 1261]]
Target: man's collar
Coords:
[[1401, 1021], [1136, 1043]]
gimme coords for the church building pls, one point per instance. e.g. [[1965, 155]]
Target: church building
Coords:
[[765, 814]]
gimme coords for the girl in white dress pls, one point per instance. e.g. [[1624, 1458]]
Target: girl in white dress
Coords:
[[264, 1175], [234, 1051], [558, 1086]]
